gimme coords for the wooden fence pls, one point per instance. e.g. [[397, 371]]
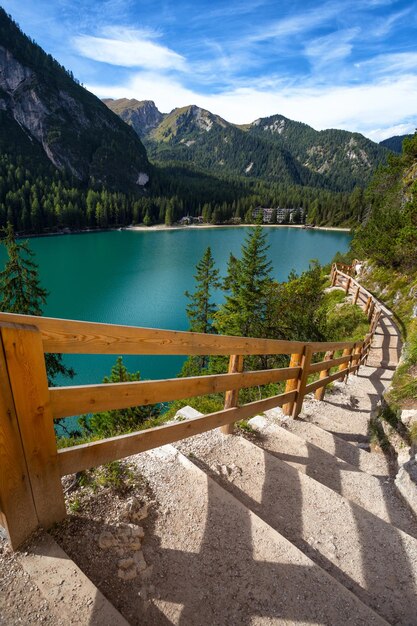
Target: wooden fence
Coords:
[[31, 467]]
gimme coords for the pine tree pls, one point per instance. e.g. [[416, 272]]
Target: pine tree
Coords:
[[21, 291], [200, 310], [248, 283], [116, 422]]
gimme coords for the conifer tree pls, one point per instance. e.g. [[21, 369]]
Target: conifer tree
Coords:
[[110, 423], [248, 284], [21, 291], [201, 309]]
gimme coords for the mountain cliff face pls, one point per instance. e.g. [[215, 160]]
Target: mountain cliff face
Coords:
[[273, 148], [142, 115], [74, 129]]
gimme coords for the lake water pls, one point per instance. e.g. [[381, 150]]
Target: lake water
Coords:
[[139, 278]]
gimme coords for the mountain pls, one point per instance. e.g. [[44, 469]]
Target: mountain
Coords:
[[395, 143], [272, 149], [341, 157], [143, 115], [196, 136], [44, 111]]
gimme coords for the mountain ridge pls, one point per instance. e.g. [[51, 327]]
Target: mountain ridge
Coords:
[[272, 148]]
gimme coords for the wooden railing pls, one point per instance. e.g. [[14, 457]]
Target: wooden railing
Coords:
[[31, 467]]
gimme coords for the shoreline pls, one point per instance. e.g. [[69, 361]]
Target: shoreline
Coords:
[[163, 227], [160, 227]]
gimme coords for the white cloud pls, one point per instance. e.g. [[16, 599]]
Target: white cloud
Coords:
[[129, 48], [378, 134], [372, 109], [383, 27], [331, 48], [399, 63], [297, 24]]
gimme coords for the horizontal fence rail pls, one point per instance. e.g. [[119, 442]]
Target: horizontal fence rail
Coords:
[[30, 464]]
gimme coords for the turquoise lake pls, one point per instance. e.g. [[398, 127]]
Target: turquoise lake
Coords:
[[139, 278]]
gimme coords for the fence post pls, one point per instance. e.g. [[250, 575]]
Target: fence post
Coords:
[[292, 384], [368, 304], [371, 310], [319, 395], [345, 366], [231, 397], [17, 508], [29, 385], [349, 280], [356, 296], [334, 278], [302, 380], [356, 357]]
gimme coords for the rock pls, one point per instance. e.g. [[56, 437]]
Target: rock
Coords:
[[403, 456], [186, 413], [127, 574], [106, 540], [138, 532], [135, 510], [409, 416], [126, 563], [140, 562], [406, 482]]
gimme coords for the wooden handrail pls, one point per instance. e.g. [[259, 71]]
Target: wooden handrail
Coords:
[[88, 455], [67, 401], [28, 406]]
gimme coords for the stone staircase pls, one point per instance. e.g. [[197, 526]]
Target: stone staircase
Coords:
[[295, 523]]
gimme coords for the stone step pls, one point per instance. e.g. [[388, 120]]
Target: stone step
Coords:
[[373, 559], [215, 562], [377, 496], [374, 464]]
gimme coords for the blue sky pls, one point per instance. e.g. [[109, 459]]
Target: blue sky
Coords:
[[334, 64]]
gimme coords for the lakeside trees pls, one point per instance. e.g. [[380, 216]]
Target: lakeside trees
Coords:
[[21, 292], [118, 421]]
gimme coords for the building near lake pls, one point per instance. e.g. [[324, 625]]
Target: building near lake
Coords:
[[279, 215]]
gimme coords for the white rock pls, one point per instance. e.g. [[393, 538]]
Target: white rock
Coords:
[[406, 482], [187, 413], [409, 416]]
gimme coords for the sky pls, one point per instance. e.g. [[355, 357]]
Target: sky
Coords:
[[349, 64]]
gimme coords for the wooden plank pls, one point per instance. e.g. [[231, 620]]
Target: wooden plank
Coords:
[[325, 365], [73, 400], [302, 380], [232, 395], [17, 508], [324, 346], [325, 381], [26, 367], [74, 337], [88, 455]]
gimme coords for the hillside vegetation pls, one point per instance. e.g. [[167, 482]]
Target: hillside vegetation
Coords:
[[388, 238]]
